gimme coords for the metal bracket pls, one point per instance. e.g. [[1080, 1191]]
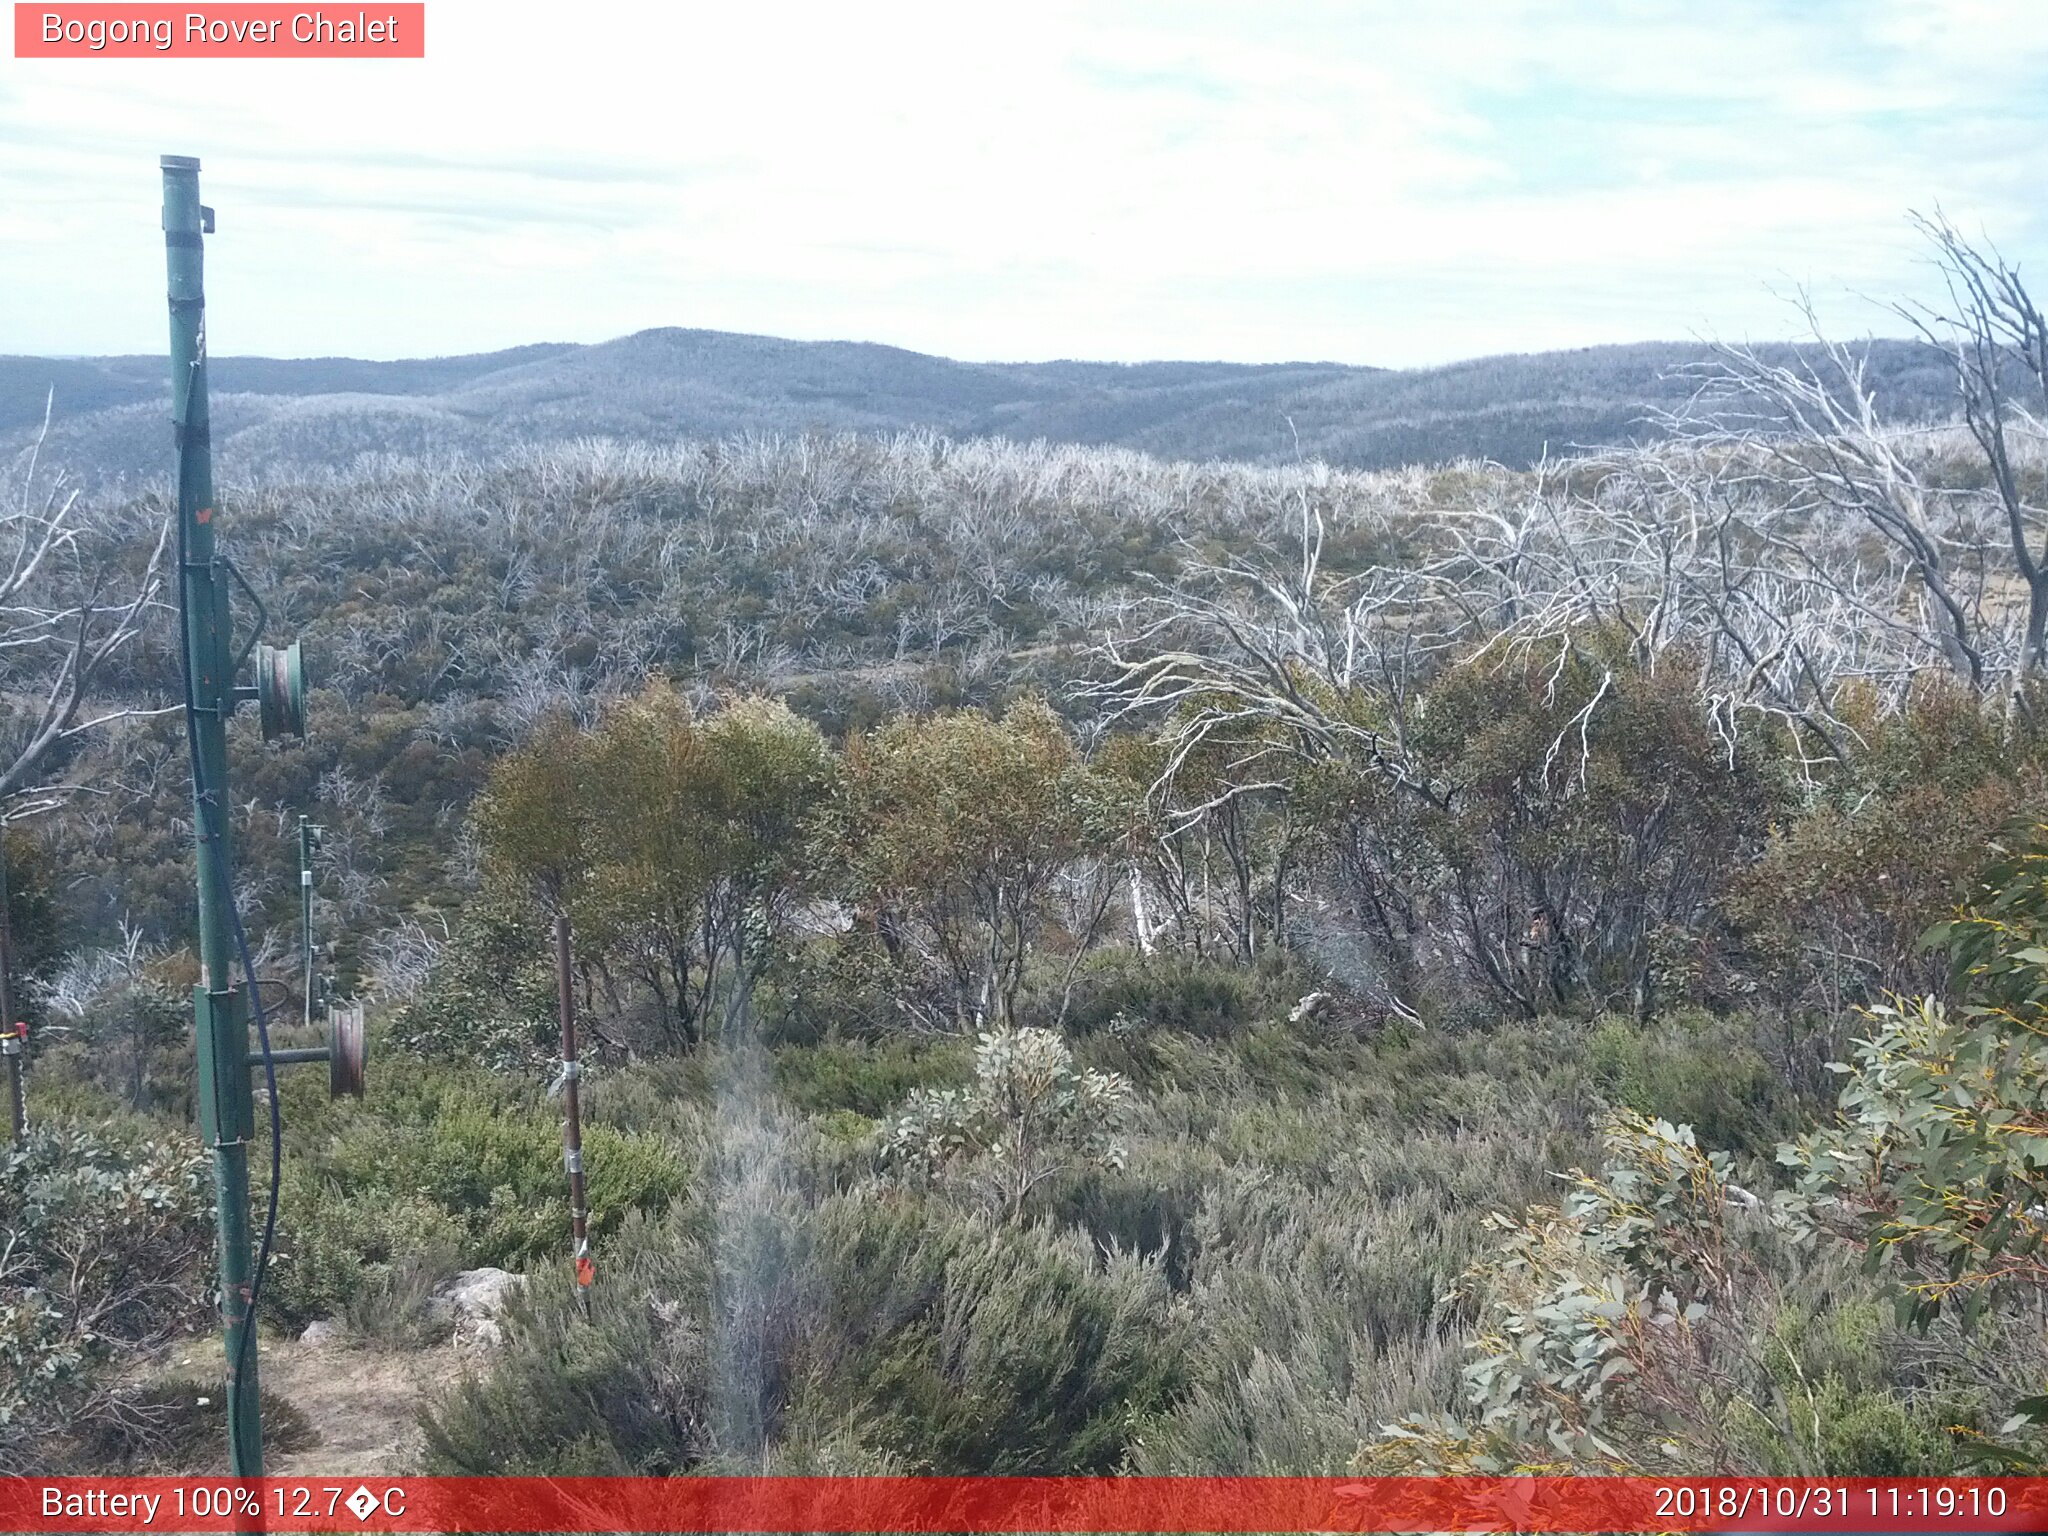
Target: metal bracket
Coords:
[[226, 1110], [262, 620]]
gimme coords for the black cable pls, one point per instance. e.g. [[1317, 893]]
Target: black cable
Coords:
[[211, 836]]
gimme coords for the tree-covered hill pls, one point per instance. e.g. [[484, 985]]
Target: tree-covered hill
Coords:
[[293, 415]]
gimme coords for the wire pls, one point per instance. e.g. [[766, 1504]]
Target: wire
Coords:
[[212, 836]]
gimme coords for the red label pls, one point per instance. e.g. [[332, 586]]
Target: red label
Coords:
[[231, 31], [993, 1505]]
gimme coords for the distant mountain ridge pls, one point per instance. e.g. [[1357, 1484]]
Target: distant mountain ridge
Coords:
[[289, 414]]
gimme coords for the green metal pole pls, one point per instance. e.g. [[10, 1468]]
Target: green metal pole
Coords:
[[226, 1112]]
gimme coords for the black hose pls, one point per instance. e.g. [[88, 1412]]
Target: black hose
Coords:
[[211, 836]]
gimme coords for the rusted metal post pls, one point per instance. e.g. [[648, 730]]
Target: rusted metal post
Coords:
[[572, 1120], [13, 1043], [13, 1032], [309, 839]]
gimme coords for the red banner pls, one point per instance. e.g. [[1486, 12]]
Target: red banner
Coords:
[[1006, 1504], [223, 31]]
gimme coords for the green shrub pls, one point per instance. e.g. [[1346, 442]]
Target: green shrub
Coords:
[[887, 1331], [868, 1077], [1028, 1116], [1210, 999], [1935, 1165], [1315, 1297], [1025, 1352], [627, 1391], [339, 1256], [1585, 823], [1694, 1069], [1834, 907], [130, 1036], [1861, 1396], [488, 1154], [816, 991], [491, 997], [1654, 1322], [103, 1235]]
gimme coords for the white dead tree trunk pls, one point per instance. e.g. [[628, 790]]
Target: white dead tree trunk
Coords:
[[1818, 444], [1996, 341], [61, 623]]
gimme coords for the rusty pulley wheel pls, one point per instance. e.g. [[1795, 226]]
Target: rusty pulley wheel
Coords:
[[345, 1052]]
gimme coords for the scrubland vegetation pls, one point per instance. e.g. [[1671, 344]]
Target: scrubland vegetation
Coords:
[[1094, 965]]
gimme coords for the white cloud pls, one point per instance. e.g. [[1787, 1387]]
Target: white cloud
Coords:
[[1373, 181]]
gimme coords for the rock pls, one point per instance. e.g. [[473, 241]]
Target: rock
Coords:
[[478, 1333], [321, 1331], [1309, 1007], [478, 1294]]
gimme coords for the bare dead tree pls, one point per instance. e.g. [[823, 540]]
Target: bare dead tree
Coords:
[[1996, 341], [1677, 549], [61, 625], [1808, 435], [1232, 653]]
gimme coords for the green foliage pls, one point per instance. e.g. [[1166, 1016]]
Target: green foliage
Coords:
[[1028, 1115], [1211, 824], [870, 1078], [355, 1258], [496, 1169], [1857, 1393], [1692, 1068], [1649, 1326], [900, 1335], [100, 1228], [1582, 1300], [627, 1392], [1595, 815], [1120, 989], [491, 998], [956, 827], [34, 925], [126, 1031], [445, 1167], [679, 848], [1940, 1154], [1315, 1294], [1835, 905]]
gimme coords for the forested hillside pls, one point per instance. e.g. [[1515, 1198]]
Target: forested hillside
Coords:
[[277, 416], [1095, 961]]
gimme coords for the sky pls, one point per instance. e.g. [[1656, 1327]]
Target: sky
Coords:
[[1392, 182]]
